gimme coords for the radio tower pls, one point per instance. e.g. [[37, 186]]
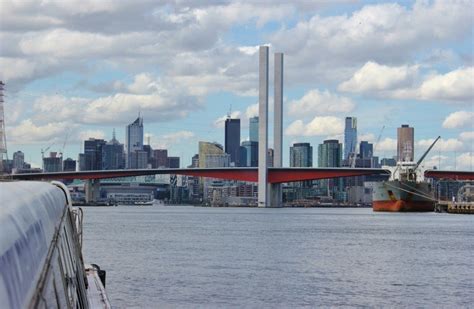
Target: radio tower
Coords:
[[3, 139]]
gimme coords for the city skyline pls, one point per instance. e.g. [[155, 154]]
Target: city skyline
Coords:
[[87, 86]]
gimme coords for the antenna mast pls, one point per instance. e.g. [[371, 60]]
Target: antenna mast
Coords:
[[3, 138]]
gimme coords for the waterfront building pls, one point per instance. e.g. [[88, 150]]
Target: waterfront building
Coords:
[[350, 137], [405, 143], [18, 160], [134, 141], [232, 140], [113, 155], [301, 155], [253, 129], [53, 163], [251, 153], [69, 165]]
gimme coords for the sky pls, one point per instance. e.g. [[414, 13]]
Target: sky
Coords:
[[76, 69]]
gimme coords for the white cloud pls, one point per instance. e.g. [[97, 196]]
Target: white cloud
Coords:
[[320, 103], [465, 161], [466, 136], [457, 85], [460, 119], [28, 132], [86, 134], [369, 137], [442, 145], [438, 161], [386, 144], [252, 111], [319, 126], [170, 140], [219, 122], [375, 77]]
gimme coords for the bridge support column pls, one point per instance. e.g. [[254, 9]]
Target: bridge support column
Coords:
[[276, 191], [263, 187], [92, 190]]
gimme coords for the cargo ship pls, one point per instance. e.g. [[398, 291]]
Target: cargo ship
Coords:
[[406, 190]]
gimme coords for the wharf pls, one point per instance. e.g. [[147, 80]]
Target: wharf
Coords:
[[455, 207]]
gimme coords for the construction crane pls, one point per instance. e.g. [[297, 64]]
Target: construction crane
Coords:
[[375, 145], [42, 153], [64, 144]]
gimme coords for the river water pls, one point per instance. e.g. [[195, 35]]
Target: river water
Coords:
[[250, 257]]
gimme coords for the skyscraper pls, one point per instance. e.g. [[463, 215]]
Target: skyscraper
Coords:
[[301, 155], [251, 153], [93, 154], [232, 139], [113, 155], [160, 158], [366, 150], [405, 143], [18, 160], [253, 129], [330, 153], [134, 141], [350, 137], [53, 163], [69, 165]]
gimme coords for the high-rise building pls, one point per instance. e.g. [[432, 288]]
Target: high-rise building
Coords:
[[113, 157], [134, 141], [232, 140], [195, 161], [81, 161], [350, 137], [173, 162], [53, 163], [251, 153], [160, 158], [138, 159], [253, 129], [69, 165], [207, 148], [18, 160], [301, 155], [366, 150], [330, 153], [405, 143], [93, 154]]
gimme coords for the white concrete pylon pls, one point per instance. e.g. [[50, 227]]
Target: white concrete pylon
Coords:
[[263, 200]]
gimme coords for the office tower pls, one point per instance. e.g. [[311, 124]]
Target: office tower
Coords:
[[195, 161], [69, 165], [134, 141], [350, 137], [173, 162], [53, 163], [138, 159], [18, 160], [149, 152], [93, 154], [160, 158], [206, 149], [330, 153], [232, 139], [301, 155], [251, 153], [113, 155], [366, 150], [253, 129], [405, 143], [81, 161]]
